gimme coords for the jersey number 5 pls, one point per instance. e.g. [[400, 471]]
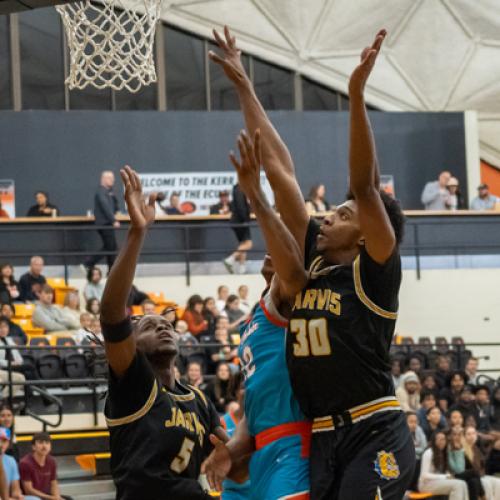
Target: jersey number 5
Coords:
[[181, 461], [311, 337]]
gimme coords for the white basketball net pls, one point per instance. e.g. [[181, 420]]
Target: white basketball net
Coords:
[[111, 43]]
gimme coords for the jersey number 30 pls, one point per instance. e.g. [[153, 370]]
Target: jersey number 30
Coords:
[[311, 337], [181, 461]]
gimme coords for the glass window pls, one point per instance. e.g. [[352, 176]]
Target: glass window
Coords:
[[42, 73], [185, 70], [5, 73], [223, 96], [274, 85], [317, 97]]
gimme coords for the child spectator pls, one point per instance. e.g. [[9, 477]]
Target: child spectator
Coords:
[[234, 314], [219, 390], [85, 323], [39, 470], [193, 315], [435, 476], [408, 393], [93, 307], [94, 287], [48, 315], [7, 420], [30, 283], [9, 287], [222, 295], [434, 422], [148, 307], [15, 331], [71, 310]]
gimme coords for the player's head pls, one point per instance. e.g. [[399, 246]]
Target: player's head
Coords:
[[156, 338], [267, 269], [341, 231]]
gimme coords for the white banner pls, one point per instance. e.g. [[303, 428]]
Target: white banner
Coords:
[[8, 197], [198, 191]]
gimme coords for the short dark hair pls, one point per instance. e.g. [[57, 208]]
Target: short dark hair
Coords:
[[427, 394], [41, 436], [47, 289], [232, 298], [3, 319], [394, 211]]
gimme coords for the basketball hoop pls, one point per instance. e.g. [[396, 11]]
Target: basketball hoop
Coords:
[[111, 43]]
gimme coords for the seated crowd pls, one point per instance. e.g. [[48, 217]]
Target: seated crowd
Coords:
[[455, 424]]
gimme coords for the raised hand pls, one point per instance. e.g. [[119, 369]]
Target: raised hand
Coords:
[[141, 214], [248, 169], [231, 57], [217, 465], [369, 55]]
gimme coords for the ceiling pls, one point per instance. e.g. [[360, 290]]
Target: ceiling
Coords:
[[440, 55]]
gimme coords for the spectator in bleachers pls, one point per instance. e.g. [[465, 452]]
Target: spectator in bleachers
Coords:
[[455, 419], [234, 314], [221, 350], [42, 208], [315, 201], [175, 207], [415, 365], [396, 372], [189, 347], [71, 310], [210, 315], [39, 470], [194, 375], [435, 195], [419, 441], [484, 200], [136, 297], [245, 305], [433, 422], [148, 307], [435, 476], [219, 389], [30, 283], [224, 205], [455, 200], [471, 368], [9, 287], [47, 315], [10, 468], [85, 323], [466, 406], [449, 395], [443, 371], [94, 287], [429, 382], [170, 314], [495, 410], [483, 408], [222, 295], [15, 331], [461, 467], [193, 315], [408, 392], [95, 328], [427, 400], [7, 420], [93, 306], [17, 362], [491, 484]]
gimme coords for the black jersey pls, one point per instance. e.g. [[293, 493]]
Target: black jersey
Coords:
[[158, 438], [341, 330]]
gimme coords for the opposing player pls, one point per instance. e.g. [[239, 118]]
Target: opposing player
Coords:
[[343, 321], [279, 467], [158, 428]]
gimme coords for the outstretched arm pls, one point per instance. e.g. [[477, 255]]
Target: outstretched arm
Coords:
[[281, 245], [376, 227], [277, 160], [120, 346]]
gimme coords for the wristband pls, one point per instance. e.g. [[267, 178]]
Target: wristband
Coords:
[[118, 332]]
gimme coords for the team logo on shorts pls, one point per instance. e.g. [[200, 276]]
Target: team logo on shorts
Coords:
[[386, 466]]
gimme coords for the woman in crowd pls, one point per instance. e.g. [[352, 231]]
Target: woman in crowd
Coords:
[[222, 295], [94, 287], [415, 364], [460, 465], [193, 315], [9, 287], [234, 314], [7, 420], [93, 307], [43, 207], [194, 375], [210, 315], [435, 475], [315, 201], [434, 422], [221, 350], [455, 419], [219, 390], [490, 484], [71, 310]]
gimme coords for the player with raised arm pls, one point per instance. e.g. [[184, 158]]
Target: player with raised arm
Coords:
[[279, 467], [343, 321], [158, 427]]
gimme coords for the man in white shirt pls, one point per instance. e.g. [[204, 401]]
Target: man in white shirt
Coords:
[[435, 194], [48, 315]]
